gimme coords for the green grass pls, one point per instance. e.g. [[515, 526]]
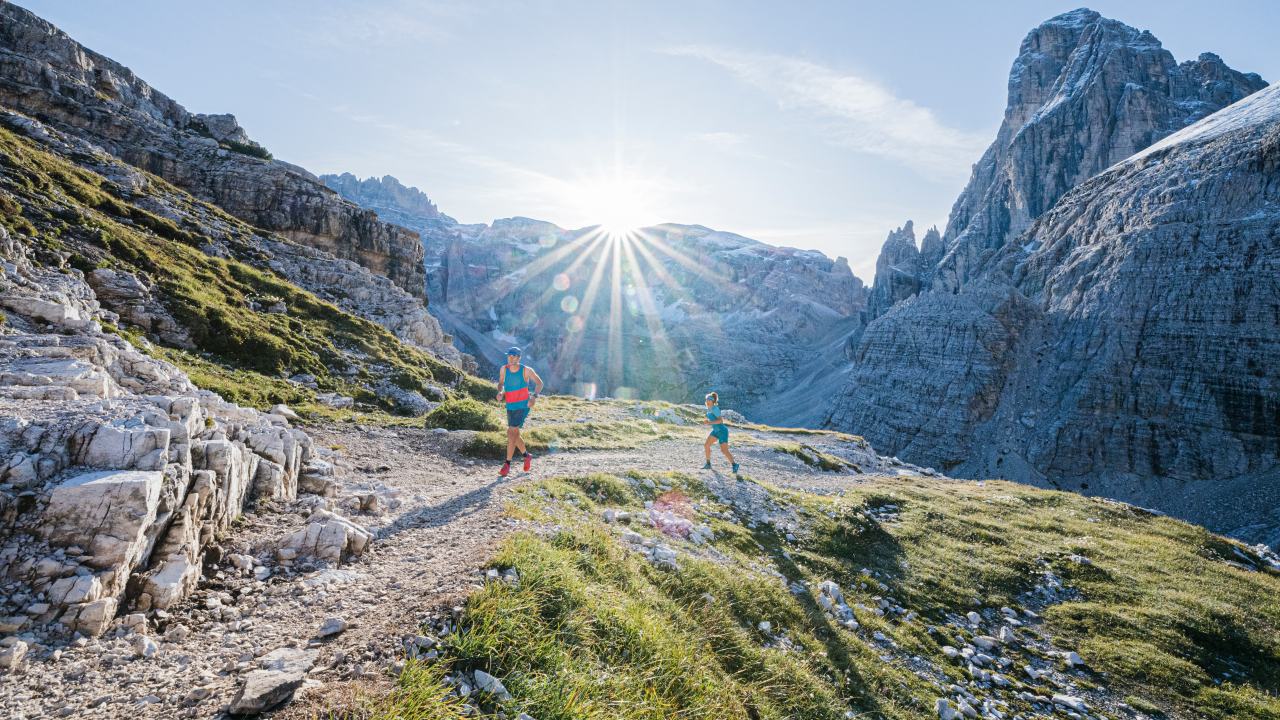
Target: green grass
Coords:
[[813, 457], [244, 352], [464, 413], [557, 437], [594, 631]]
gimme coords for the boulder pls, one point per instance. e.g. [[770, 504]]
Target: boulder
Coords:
[[280, 673], [327, 536]]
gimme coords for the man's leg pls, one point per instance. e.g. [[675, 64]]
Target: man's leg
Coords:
[[519, 443], [513, 437]]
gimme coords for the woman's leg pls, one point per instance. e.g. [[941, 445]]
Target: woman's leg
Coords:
[[724, 448], [707, 447]]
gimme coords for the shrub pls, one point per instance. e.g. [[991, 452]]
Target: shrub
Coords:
[[463, 413], [252, 150]]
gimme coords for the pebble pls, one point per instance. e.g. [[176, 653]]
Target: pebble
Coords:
[[332, 626], [145, 647], [974, 618]]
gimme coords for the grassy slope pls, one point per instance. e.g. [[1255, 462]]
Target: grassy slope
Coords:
[[595, 631], [77, 213]]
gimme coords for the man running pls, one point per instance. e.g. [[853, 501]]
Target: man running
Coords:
[[514, 379]]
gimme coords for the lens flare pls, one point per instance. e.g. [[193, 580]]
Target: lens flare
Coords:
[[569, 304], [561, 282]]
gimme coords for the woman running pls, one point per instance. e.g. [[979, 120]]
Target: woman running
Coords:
[[719, 432]]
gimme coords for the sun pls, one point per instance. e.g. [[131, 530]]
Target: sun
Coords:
[[620, 204]]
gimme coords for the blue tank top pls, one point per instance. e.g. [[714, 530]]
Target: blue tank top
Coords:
[[515, 388], [713, 414]]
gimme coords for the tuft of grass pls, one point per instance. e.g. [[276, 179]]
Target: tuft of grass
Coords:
[[421, 694], [813, 457], [464, 413]]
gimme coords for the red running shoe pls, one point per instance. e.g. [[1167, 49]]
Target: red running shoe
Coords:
[[528, 461], [506, 468]]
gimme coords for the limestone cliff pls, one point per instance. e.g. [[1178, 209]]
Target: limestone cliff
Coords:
[[46, 74], [1126, 345], [1084, 93]]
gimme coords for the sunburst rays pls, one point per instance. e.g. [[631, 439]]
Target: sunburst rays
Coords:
[[628, 274]]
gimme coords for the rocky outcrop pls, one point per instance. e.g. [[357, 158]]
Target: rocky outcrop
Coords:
[[1125, 345], [48, 75], [1085, 92], [115, 471], [901, 268], [405, 206], [136, 302], [672, 311]]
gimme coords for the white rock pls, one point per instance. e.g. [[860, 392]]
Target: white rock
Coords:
[[332, 626], [1070, 702], [145, 647], [12, 653], [281, 672], [284, 411], [945, 711], [986, 642], [974, 618], [328, 536], [491, 685]]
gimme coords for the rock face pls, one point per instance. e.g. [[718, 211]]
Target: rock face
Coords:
[[1085, 92], [1126, 344], [117, 472], [49, 76], [405, 206], [137, 303], [901, 268], [671, 312]]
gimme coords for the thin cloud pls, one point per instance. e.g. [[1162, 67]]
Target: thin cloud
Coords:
[[722, 139], [376, 26], [857, 113]]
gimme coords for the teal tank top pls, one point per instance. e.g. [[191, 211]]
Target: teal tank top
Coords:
[[515, 389]]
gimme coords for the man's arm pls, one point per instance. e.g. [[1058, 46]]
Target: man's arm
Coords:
[[502, 379], [530, 375]]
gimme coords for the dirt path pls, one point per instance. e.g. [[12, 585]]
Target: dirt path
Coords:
[[439, 519]]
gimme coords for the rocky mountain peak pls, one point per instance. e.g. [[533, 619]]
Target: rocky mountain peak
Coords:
[[386, 195], [1085, 92], [1074, 74], [898, 270]]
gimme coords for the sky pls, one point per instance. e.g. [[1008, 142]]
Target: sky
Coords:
[[820, 125]]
